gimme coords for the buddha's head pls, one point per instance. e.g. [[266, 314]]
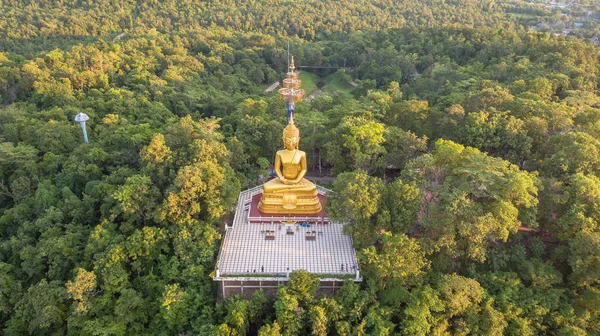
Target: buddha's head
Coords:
[[291, 136]]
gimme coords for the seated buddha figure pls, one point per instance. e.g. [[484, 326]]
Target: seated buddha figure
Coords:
[[290, 192]]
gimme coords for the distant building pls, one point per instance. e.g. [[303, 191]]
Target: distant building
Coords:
[[578, 24], [595, 40]]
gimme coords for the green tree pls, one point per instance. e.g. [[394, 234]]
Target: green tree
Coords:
[[137, 198], [318, 320], [356, 143], [470, 200], [421, 312], [289, 313], [399, 204], [459, 293], [410, 115], [572, 206], [574, 152], [81, 289], [584, 258], [402, 146], [42, 309], [400, 258], [355, 200], [304, 286], [270, 330], [156, 160]]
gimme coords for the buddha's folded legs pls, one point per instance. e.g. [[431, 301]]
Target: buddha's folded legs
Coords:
[[276, 186], [282, 198]]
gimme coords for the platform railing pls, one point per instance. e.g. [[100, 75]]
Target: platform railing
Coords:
[[278, 219], [295, 219], [322, 189]]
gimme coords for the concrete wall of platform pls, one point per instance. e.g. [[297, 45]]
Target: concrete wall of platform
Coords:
[[246, 288]]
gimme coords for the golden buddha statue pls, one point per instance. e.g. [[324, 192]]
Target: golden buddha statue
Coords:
[[290, 192]]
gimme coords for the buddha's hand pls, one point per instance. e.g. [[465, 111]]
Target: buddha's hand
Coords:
[[290, 181], [287, 181]]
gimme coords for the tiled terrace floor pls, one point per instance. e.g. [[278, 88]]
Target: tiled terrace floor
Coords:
[[246, 251]]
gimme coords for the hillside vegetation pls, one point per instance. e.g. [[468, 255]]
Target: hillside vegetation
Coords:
[[467, 164]]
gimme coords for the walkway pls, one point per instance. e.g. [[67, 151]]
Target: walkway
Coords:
[[272, 87]]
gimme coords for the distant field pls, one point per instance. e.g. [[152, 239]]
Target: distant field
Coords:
[[521, 15], [309, 81], [336, 82], [332, 83], [263, 87]]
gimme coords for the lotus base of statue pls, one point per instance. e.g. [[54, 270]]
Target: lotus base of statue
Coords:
[[300, 198]]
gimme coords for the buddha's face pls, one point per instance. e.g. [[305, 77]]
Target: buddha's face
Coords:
[[291, 143]]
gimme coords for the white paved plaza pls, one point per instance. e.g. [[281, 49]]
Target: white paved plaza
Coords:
[[277, 249]]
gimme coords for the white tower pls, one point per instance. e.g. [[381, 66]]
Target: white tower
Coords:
[[81, 118]]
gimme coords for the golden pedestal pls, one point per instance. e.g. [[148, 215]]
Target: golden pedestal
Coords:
[[280, 198]]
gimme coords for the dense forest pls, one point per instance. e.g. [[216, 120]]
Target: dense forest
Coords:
[[466, 164]]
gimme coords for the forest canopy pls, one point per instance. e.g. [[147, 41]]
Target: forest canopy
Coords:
[[465, 160]]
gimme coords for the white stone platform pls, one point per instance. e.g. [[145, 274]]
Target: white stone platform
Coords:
[[246, 253]]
